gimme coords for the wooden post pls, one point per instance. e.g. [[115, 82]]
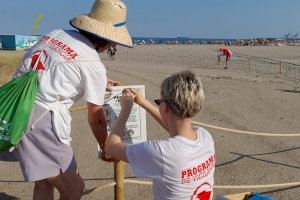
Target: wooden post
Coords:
[[1, 73], [1, 77], [148, 57], [249, 63], [219, 60], [280, 69], [127, 56], [119, 179]]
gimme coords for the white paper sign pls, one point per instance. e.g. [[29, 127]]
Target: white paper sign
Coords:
[[135, 130]]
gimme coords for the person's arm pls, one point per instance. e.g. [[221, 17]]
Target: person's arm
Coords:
[[114, 145], [98, 125], [111, 83], [145, 158], [149, 107]]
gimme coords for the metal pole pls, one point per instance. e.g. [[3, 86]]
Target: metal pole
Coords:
[[119, 179]]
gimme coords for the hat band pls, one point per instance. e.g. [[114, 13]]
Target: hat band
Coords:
[[120, 24]]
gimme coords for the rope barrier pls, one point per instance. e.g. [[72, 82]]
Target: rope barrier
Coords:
[[77, 109], [276, 185], [246, 132], [99, 188], [149, 183], [193, 60], [268, 60], [222, 128], [287, 70]]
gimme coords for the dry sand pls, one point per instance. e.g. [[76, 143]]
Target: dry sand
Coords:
[[238, 98]]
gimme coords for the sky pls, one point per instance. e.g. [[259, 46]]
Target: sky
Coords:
[[223, 19]]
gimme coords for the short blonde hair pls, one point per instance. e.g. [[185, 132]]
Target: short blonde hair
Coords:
[[183, 93]]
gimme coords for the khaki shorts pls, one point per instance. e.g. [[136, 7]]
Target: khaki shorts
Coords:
[[40, 152]]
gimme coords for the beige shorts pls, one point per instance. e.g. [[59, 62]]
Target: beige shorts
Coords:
[[40, 152]]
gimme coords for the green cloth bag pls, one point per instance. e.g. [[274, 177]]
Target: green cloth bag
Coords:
[[17, 99]]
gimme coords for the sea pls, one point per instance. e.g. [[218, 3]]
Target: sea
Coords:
[[180, 40]]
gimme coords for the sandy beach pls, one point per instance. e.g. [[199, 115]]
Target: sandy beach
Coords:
[[255, 95]]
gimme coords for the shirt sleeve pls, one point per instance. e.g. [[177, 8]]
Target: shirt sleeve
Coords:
[[95, 81], [146, 159]]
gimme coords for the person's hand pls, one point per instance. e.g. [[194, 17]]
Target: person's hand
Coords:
[[106, 158], [127, 100], [103, 154], [111, 83], [138, 96]]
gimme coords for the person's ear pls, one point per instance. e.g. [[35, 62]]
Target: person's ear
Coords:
[[164, 107]]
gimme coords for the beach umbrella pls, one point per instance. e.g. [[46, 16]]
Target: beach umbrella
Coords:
[[17, 98]]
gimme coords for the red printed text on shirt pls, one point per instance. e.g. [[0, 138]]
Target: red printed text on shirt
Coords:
[[199, 171]]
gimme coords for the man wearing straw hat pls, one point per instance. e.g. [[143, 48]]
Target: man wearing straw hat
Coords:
[[69, 68]]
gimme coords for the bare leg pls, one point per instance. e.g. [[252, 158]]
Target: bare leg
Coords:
[[226, 65], [43, 190], [70, 186], [227, 59]]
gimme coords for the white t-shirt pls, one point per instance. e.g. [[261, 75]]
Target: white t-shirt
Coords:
[[69, 68], [180, 168]]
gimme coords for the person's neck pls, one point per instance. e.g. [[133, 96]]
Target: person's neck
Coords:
[[182, 127], [90, 38]]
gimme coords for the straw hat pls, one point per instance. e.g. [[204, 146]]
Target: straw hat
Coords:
[[106, 20]]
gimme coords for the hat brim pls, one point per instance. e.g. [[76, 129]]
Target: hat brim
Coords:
[[103, 30]]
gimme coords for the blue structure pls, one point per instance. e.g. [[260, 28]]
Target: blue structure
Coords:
[[18, 42]]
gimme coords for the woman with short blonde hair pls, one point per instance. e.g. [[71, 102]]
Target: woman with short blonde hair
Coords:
[[186, 92], [182, 166]]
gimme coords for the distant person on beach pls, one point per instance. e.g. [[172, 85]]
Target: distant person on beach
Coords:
[[69, 68], [182, 166], [112, 52], [227, 53]]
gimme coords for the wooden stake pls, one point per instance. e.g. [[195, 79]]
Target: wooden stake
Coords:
[[119, 179], [249, 63], [280, 69]]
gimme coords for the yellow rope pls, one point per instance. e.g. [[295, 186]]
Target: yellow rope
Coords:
[[138, 182], [220, 128], [276, 185], [77, 108], [99, 188], [149, 183], [246, 132], [227, 186]]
